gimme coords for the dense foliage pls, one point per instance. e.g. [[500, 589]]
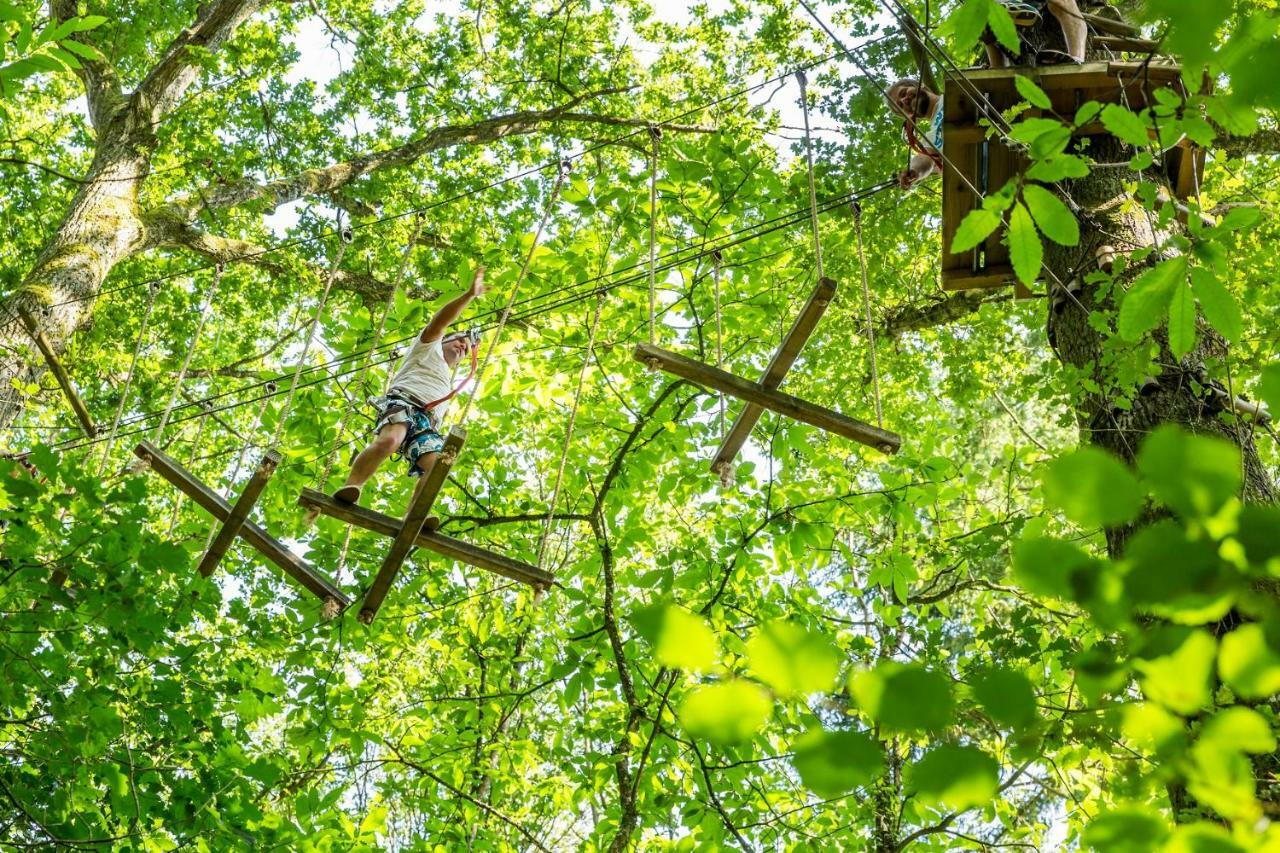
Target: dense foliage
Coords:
[[1003, 636]]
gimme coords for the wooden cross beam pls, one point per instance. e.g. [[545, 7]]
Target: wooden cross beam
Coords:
[[774, 401], [212, 503], [419, 508], [239, 513], [59, 372], [454, 549], [792, 344]]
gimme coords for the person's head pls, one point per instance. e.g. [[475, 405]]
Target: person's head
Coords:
[[455, 346], [910, 99]]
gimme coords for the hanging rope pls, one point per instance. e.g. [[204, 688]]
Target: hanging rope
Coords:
[[813, 191], [128, 378], [345, 237], [655, 133], [362, 373], [866, 304], [205, 310], [568, 433], [716, 259], [554, 194]]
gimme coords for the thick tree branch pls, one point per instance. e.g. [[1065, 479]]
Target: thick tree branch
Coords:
[[328, 179], [166, 83], [914, 317]]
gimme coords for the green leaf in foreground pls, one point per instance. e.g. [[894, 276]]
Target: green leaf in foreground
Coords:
[[1126, 125], [834, 763], [792, 660], [1192, 474], [1026, 252], [1007, 696], [1147, 302], [1052, 216], [905, 698], [958, 777], [726, 713], [1248, 664], [1093, 488], [976, 227], [1130, 830], [1219, 306]]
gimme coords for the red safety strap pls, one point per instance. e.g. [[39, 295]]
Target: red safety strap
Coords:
[[475, 355], [914, 142]]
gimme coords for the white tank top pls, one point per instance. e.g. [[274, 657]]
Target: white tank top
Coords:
[[425, 375]]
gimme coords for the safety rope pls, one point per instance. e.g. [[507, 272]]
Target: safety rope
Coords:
[[813, 191], [554, 194], [866, 305], [655, 133], [128, 378], [205, 310], [568, 433], [344, 240], [716, 259]]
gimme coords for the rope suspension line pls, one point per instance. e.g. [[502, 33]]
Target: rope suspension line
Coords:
[[568, 433], [205, 310], [866, 304], [345, 237], [813, 192], [655, 133], [128, 378], [552, 196]]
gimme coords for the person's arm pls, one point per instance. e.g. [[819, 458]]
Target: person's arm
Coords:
[[921, 168], [452, 309]]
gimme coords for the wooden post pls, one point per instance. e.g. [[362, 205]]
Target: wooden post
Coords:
[[454, 549], [783, 359], [419, 509], [774, 401], [212, 503], [59, 372], [244, 505]]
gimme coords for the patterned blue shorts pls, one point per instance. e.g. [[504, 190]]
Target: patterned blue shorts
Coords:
[[421, 438]]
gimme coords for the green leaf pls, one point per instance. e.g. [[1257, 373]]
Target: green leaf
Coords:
[[967, 22], [1239, 728], [905, 698], [1219, 306], [88, 22], [834, 763], [1182, 321], [1093, 488], [680, 638], [958, 777], [64, 57], [726, 713], [83, 50], [1001, 23], [1053, 169], [1025, 249], [1127, 830], [1055, 219], [791, 660], [1259, 533], [1201, 838], [1007, 696], [1248, 664], [1269, 387], [1193, 474], [1147, 302], [1240, 219], [1031, 93], [1125, 124], [976, 227], [1052, 567], [1178, 671], [1175, 575]]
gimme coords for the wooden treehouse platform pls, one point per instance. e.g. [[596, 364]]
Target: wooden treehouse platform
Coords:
[[976, 154]]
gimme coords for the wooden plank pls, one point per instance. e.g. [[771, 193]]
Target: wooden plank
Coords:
[[239, 513], [1002, 165], [419, 508], [1107, 25], [989, 279], [454, 549], [783, 359], [775, 401], [959, 170], [212, 503], [1125, 44], [59, 372]]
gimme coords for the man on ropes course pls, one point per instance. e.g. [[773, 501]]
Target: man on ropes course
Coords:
[[917, 103], [410, 414]]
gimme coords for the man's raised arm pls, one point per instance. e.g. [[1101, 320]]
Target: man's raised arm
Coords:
[[452, 309]]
